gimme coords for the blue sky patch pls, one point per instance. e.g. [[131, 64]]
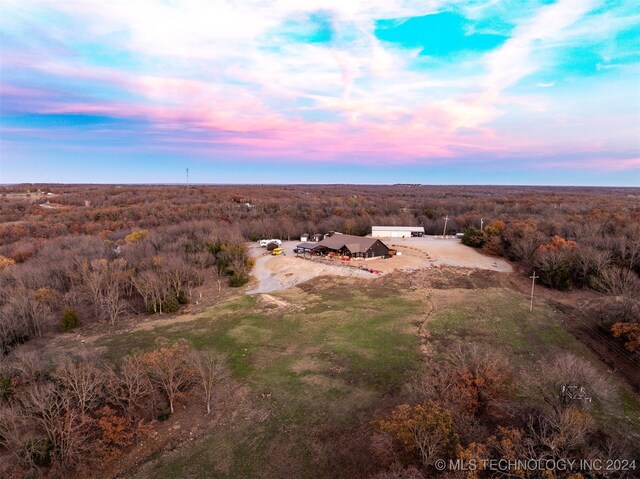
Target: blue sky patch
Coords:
[[579, 61], [315, 27], [441, 34], [48, 120]]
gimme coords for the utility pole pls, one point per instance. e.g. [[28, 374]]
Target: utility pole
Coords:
[[187, 177], [444, 231], [533, 283]]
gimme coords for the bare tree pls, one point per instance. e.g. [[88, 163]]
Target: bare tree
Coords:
[[168, 369], [25, 306], [130, 386], [93, 279], [221, 269], [12, 328], [50, 408], [618, 281], [628, 250], [105, 281], [467, 380], [30, 364], [562, 431], [570, 381], [177, 272], [210, 369], [115, 280], [149, 286], [591, 262], [83, 380], [11, 428]]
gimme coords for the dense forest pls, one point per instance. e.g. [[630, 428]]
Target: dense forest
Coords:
[[119, 249], [92, 254]]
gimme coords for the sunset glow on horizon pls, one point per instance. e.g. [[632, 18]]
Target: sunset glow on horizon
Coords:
[[377, 91]]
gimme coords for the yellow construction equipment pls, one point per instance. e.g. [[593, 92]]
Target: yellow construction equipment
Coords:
[[277, 251]]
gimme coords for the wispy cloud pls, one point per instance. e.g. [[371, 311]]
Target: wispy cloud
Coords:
[[294, 79]]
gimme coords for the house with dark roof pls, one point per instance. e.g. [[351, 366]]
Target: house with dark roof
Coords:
[[354, 247]]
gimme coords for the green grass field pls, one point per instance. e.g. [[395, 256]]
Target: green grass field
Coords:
[[329, 359], [499, 319], [326, 367]]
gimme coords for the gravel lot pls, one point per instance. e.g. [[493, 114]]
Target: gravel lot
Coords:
[[275, 273]]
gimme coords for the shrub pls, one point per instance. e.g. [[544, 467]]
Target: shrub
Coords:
[[118, 432], [424, 430], [6, 386], [238, 279], [474, 237], [630, 330], [182, 297], [6, 262], [136, 236], [70, 320], [171, 305]]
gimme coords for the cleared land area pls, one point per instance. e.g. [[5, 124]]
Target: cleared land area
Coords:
[[310, 369], [314, 364], [449, 252], [276, 273]]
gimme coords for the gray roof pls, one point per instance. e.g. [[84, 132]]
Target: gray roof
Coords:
[[307, 245], [413, 229], [355, 244]]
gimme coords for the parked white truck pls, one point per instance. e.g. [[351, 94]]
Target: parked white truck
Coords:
[[265, 242]]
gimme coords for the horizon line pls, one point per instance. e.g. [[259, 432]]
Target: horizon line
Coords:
[[317, 184]]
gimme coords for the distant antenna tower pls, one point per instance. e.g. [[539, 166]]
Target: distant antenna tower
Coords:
[[187, 176]]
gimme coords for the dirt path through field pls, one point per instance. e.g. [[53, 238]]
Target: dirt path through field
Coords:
[[278, 302]]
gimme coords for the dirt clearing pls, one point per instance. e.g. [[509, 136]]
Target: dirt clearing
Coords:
[[276, 273], [447, 252]]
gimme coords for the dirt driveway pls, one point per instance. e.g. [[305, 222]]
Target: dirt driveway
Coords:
[[275, 273], [448, 252]]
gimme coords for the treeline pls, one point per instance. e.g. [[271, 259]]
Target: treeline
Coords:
[[471, 409], [62, 414], [287, 211], [82, 278], [571, 237]]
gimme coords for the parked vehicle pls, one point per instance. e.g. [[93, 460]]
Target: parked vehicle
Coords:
[[277, 251], [264, 242]]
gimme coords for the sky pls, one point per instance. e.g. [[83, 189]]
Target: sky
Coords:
[[337, 91]]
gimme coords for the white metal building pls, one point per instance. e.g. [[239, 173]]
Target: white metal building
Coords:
[[396, 231]]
